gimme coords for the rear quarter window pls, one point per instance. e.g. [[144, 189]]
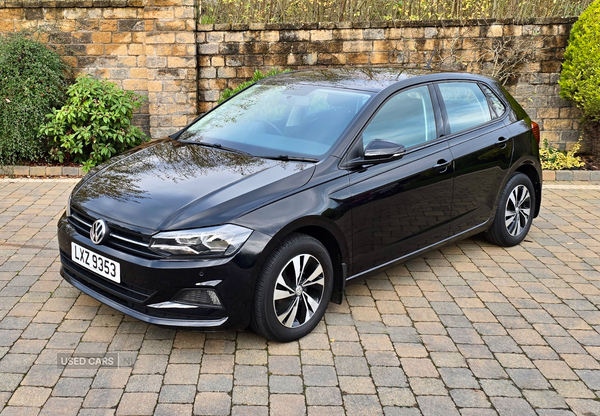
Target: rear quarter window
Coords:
[[498, 108]]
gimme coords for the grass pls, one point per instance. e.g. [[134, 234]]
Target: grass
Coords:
[[310, 11], [288, 11]]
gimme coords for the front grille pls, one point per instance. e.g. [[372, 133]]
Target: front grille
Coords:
[[120, 238]]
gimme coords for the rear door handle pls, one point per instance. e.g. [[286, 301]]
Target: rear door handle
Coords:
[[502, 142], [442, 165]]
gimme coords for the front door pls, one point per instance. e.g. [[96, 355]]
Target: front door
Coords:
[[404, 205]]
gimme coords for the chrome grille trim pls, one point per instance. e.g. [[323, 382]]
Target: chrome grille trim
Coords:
[[128, 240], [79, 219], [75, 216]]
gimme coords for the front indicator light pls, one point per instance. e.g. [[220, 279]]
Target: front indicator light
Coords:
[[223, 240]]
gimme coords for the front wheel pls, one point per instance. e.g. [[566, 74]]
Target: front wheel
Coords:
[[293, 289], [515, 212]]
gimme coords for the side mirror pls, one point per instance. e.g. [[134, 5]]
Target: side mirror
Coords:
[[381, 150], [378, 151]]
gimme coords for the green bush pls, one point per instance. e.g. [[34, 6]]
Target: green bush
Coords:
[[580, 77], [33, 80], [554, 159], [94, 124], [256, 77]]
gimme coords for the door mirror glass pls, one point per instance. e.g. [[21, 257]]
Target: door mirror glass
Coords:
[[383, 150]]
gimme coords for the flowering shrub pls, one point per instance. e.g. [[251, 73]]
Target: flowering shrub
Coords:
[[555, 159]]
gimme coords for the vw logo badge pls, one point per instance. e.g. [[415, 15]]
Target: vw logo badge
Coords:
[[99, 232]]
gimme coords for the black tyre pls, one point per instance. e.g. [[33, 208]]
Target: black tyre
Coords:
[[293, 289], [515, 212]]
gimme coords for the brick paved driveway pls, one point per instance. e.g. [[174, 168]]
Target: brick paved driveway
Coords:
[[471, 329]]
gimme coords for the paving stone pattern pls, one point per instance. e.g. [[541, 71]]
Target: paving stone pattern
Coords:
[[471, 329]]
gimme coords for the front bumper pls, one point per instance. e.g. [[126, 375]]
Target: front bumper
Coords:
[[147, 282]]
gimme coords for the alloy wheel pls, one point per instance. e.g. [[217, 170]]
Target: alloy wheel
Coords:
[[298, 290], [518, 210]]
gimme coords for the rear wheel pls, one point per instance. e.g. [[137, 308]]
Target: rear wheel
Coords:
[[293, 289], [515, 212]]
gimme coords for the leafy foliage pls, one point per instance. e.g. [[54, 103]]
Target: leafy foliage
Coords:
[[256, 77], [94, 124], [555, 159], [33, 80], [580, 77]]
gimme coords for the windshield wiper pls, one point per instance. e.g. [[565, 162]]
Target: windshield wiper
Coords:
[[240, 152], [292, 158], [216, 146]]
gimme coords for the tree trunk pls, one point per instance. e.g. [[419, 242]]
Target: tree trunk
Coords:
[[591, 137]]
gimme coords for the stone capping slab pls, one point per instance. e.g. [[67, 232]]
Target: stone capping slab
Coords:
[[571, 175], [380, 25], [62, 4], [41, 171]]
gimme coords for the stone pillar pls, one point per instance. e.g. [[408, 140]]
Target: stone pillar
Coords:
[[170, 48]]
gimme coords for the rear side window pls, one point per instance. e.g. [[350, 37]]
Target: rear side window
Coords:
[[407, 118], [466, 105], [496, 105]]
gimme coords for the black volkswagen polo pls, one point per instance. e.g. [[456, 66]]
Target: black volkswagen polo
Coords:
[[261, 210]]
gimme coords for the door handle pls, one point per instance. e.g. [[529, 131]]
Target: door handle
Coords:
[[442, 165], [502, 142]]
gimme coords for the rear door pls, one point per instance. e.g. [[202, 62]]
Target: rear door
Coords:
[[404, 205], [481, 147]]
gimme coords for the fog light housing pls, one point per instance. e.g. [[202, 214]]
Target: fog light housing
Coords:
[[206, 298]]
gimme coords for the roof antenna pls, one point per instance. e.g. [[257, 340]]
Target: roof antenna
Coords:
[[428, 66]]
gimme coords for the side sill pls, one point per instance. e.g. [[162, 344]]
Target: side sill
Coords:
[[467, 233]]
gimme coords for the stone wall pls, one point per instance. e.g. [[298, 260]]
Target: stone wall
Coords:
[[156, 48], [147, 46], [229, 54]]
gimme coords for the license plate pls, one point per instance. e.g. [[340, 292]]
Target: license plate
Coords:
[[96, 263]]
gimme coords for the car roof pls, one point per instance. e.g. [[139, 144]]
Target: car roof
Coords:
[[374, 79]]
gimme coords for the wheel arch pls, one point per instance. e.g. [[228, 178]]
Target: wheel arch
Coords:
[[529, 170], [327, 234]]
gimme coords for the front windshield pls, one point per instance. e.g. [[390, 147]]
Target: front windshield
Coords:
[[275, 120]]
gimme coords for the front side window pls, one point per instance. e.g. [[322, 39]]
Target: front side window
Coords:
[[465, 104], [270, 120], [407, 119]]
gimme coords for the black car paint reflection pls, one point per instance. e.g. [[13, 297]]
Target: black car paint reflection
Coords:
[[167, 176], [369, 216]]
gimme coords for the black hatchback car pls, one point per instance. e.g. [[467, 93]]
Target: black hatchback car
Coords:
[[261, 210]]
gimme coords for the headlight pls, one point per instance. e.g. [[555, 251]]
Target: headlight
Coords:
[[222, 240]]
